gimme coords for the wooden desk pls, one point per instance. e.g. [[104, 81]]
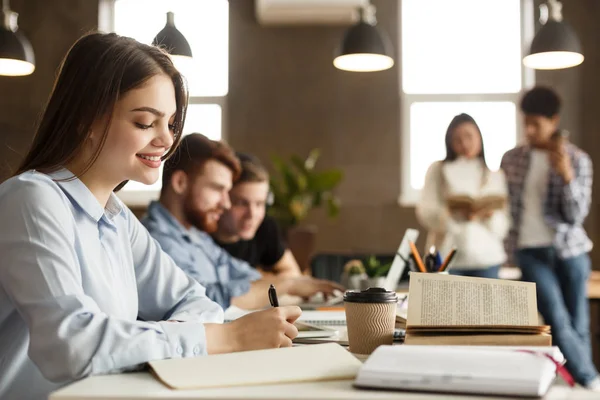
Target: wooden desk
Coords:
[[138, 386]]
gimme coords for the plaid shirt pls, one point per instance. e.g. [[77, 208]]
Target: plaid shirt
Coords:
[[565, 205]]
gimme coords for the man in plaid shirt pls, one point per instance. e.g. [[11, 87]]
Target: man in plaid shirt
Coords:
[[550, 188]]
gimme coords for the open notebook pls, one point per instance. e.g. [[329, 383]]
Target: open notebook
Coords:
[[324, 318], [319, 362], [480, 370]]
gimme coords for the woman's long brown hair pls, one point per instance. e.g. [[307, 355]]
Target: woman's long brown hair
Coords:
[[96, 72]]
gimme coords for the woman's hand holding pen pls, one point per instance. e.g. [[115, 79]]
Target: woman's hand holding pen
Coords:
[[267, 329]]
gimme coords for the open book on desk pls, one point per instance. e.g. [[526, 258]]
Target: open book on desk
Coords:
[[480, 370], [454, 310]]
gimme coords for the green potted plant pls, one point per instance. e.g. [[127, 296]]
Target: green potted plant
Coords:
[[297, 188], [376, 272], [353, 275]]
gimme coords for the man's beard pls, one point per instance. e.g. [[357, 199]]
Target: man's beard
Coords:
[[199, 218]]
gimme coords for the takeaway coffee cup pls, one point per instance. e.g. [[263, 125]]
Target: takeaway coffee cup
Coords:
[[370, 318]]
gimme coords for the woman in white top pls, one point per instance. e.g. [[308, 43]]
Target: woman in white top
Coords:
[[477, 235], [84, 289]]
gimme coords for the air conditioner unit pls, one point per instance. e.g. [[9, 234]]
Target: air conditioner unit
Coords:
[[308, 12]]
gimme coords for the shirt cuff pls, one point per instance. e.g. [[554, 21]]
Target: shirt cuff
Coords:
[[185, 339]]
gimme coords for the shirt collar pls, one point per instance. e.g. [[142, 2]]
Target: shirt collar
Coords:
[[159, 213], [80, 194]]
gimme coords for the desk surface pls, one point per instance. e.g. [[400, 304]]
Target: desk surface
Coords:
[[143, 386], [138, 386]]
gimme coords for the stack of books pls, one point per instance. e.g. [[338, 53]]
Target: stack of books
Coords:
[[477, 335], [457, 310]]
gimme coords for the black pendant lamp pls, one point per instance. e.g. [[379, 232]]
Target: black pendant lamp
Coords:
[[556, 45], [172, 40], [16, 53], [364, 47]]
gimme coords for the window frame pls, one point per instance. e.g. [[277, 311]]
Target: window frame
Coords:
[[409, 196], [140, 198]]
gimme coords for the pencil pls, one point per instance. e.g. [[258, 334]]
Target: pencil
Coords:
[[417, 257], [447, 261]]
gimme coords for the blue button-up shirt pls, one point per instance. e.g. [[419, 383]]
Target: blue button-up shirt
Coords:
[[194, 251], [75, 280]]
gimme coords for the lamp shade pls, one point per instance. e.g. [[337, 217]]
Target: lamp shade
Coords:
[[16, 53], [555, 46], [363, 49], [172, 40]]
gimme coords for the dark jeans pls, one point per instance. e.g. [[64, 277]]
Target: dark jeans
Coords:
[[561, 286], [489, 272]]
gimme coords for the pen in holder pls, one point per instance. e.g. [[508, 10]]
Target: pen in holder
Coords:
[[431, 263]]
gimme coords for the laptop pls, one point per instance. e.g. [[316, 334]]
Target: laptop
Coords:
[[392, 278]]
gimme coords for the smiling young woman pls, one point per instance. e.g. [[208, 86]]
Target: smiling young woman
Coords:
[[84, 289]]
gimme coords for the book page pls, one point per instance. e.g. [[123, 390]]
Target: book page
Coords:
[[438, 299]]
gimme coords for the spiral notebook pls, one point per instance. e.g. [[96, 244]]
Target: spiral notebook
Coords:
[[322, 318], [332, 318]]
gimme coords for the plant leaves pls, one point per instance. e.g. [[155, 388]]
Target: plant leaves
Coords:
[[333, 206], [299, 164], [326, 180], [297, 188], [302, 182], [312, 158]]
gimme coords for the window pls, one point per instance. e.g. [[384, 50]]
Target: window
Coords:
[[205, 25], [459, 56]]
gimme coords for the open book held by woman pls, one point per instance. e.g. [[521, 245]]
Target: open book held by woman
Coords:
[[464, 203]]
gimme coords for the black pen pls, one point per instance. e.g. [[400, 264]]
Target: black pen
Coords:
[[273, 296]]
